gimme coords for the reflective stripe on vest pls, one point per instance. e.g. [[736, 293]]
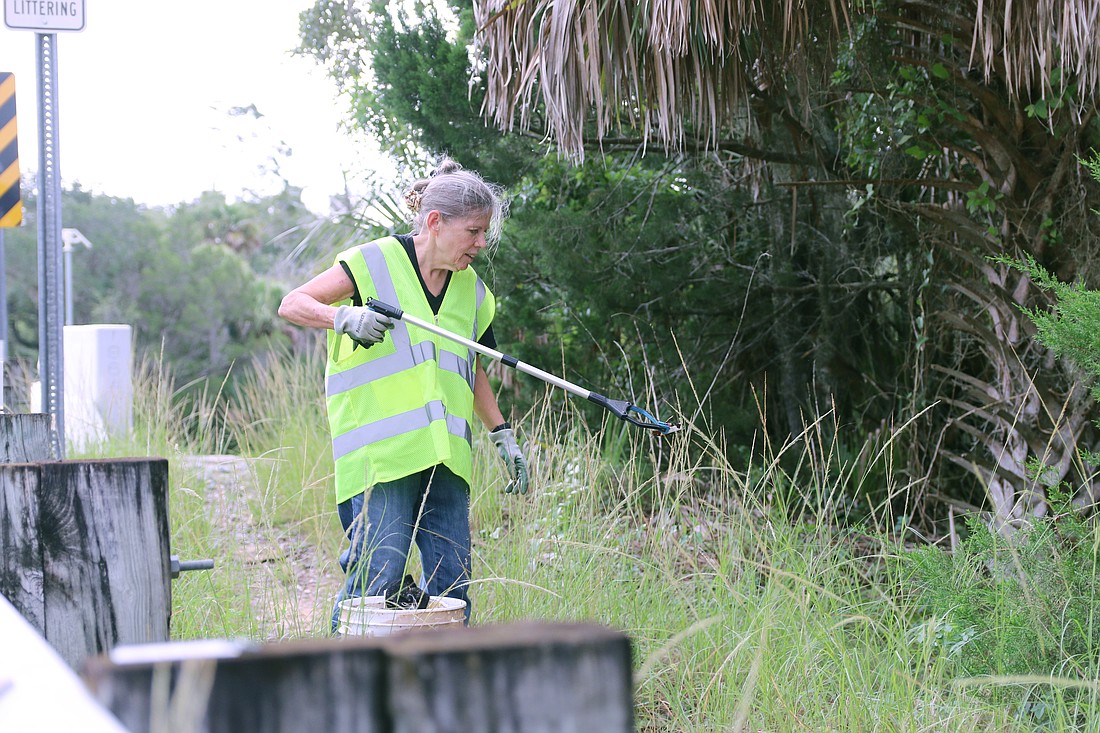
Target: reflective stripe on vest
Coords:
[[380, 367], [471, 355], [398, 362], [406, 422], [387, 293]]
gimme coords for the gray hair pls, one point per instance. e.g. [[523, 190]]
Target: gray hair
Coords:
[[456, 192]]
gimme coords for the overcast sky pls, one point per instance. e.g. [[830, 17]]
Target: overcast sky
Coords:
[[144, 94]]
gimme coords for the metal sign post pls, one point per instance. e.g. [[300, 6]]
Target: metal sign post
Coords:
[[50, 297], [47, 18]]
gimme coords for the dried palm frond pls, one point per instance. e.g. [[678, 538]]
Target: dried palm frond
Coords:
[[1040, 45], [670, 68], [659, 67]]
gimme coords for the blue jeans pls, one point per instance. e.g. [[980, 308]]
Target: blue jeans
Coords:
[[431, 507]]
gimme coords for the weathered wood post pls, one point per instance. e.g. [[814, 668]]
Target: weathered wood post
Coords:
[[25, 438], [518, 678], [84, 551], [293, 687], [524, 678]]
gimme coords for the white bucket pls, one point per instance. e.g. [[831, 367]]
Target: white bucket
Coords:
[[368, 616]]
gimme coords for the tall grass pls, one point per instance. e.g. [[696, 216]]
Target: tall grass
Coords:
[[747, 606], [747, 613]]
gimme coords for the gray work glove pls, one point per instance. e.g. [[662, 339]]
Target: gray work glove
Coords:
[[506, 443], [365, 326]]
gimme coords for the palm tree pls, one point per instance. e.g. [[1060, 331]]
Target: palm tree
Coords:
[[684, 73], [975, 112]]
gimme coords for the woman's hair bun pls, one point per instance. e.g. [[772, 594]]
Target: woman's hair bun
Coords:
[[447, 165], [413, 199]]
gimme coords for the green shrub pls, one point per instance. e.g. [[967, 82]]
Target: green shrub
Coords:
[[1020, 608]]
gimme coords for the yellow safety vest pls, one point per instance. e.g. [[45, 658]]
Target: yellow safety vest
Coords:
[[406, 403]]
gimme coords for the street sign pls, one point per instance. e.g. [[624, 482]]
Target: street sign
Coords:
[[44, 16], [11, 207]]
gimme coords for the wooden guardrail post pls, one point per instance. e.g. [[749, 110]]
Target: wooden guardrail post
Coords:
[[26, 437], [84, 552], [224, 687], [524, 678]]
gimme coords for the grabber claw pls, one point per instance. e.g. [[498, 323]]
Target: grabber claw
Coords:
[[626, 411]]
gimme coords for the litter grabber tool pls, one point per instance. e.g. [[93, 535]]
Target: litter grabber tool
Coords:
[[621, 409]]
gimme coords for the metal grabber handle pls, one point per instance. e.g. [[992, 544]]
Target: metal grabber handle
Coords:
[[619, 408]]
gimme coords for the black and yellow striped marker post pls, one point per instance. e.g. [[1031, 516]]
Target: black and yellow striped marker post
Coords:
[[11, 205]]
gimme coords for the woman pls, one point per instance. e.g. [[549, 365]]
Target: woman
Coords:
[[401, 400]]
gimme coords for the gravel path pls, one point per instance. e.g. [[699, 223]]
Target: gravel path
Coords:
[[290, 584]]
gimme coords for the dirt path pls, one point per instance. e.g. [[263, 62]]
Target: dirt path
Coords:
[[290, 584]]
